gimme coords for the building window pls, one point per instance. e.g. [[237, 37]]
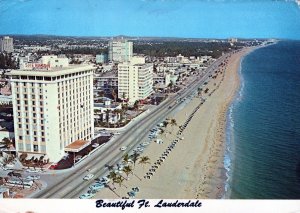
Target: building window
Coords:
[[35, 148]]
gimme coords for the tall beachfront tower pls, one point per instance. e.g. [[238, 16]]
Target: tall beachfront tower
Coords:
[[6, 44], [120, 50], [52, 107], [135, 79]]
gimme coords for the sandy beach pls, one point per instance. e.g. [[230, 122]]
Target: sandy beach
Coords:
[[194, 167]]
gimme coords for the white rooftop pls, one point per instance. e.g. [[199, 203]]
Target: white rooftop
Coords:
[[55, 71]]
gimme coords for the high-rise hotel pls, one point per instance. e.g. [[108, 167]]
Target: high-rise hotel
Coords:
[[120, 50], [135, 79], [53, 107], [6, 44]]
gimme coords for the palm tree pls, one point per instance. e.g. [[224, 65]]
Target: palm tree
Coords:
[[173, 123], [107, 116], [127, 170], [119, 180], [112, 175], [136, 105], [5, 161], [7, 143], [144, 160], [166, 123], [135, 157], [126, 158], [162, 132], [110, 167]]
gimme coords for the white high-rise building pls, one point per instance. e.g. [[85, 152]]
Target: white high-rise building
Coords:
[[135, 80], [6, 44], [52, 109], [120, 50]]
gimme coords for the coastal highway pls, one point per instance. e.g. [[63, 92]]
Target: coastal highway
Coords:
[[71, 185]]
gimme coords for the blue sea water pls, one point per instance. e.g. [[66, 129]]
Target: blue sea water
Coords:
[[263, 126]]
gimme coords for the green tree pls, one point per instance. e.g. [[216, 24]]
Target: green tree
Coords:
[[127, 170], [119, 180], [144, 160]]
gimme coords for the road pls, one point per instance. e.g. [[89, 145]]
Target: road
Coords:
[[71, 184]]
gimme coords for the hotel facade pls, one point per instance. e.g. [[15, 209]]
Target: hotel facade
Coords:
[[52, 109], [6, 44], [120, 50], [135, 79]]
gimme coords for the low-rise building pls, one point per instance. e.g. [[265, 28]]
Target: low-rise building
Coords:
[[107, 82]]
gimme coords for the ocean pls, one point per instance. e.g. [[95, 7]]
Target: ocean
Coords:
[[263, 126]]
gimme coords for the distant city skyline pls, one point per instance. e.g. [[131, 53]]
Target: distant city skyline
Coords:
[[152, 18]]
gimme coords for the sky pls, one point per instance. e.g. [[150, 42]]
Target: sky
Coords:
[[161, 18]]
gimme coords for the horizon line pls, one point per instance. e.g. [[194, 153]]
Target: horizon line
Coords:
[[173, 37]]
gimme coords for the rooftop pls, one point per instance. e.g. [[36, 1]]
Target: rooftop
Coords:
[[54, 71], [76, 146], [108, 74]]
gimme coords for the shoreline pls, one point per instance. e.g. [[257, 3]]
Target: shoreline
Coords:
[[229, 149], [195, 168]]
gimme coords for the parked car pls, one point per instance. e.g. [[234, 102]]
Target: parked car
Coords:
[[31, 171], [86, 196], [97, 186], [33, 177], [104, 180], [88, 177]]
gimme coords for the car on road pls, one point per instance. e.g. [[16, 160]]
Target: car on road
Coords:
[[97, 186], [33, 177], [88, 177], [117, 133], [95, 145], [86, 196], [78, 157], [31, 171], [104, 180], [123, 148]]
